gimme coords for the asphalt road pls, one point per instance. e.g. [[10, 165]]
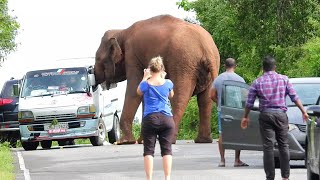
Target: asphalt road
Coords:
[[190, 161]]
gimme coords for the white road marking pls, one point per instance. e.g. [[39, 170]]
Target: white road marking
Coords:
[[23, 167]]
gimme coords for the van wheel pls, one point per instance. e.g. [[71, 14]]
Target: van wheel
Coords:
[[29, 146], [98, 140], [115, 133], [46, 144]]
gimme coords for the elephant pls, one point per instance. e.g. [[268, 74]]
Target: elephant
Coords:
[[191, 60]]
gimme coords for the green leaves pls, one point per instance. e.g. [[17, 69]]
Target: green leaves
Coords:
[[250, 29], [8, 30], [54, 122]]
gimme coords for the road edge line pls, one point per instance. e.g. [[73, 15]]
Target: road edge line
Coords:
[[23, 167]]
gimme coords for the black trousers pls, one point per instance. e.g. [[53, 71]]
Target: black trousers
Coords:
[[274, 126], [157, 125]]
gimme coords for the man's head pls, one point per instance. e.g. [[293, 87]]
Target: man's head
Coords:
[[230, 63], [269, 63]]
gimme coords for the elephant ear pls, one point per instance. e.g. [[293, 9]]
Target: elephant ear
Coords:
[[115, 51]]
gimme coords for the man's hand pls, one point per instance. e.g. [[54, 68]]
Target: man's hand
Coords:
[[305, 116], [244, 123]]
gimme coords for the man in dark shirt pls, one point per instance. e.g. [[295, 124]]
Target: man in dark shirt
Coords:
[[271, 89]]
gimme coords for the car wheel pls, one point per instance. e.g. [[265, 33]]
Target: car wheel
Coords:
[[13, 142], [98, 140], [46, 144], [29, 146], [114, 134], [276, 162]]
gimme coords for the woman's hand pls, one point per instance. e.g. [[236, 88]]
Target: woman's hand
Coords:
[[146, 74]]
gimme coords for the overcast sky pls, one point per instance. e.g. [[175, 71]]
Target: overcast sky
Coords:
[[60, 29]]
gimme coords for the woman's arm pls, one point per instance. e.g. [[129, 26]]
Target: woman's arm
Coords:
[[146, 76], [171, 93], [139, 92]]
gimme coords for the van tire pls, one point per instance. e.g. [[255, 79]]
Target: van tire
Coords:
[[46, 144], [29, 146], [98, 140], [115, 133]]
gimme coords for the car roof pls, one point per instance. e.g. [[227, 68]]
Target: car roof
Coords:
[[305, 80]]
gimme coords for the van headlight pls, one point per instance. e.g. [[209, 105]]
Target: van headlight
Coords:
[[292, 127], [86, 111], [25, 116]]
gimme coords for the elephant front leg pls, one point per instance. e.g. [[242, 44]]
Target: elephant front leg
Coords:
[[131, 104], [205, 106]]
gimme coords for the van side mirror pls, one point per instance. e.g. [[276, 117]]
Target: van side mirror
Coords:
[[16, 89], [91, 80]]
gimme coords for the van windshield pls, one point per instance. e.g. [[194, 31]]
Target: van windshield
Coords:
[[55, 81]]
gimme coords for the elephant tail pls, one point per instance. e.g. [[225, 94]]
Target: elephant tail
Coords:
[[208, 69], [215, 62]]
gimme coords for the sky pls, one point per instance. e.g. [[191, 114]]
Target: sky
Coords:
[[52, 30]]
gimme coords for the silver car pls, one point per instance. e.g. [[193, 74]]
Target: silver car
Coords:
[[234, 96], [313, 143]]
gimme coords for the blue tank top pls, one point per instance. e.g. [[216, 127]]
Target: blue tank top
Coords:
[[156, 98]]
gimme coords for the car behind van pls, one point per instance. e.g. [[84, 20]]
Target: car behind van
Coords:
[[9, 125]]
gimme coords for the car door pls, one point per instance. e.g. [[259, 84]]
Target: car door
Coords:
[[233, 99]]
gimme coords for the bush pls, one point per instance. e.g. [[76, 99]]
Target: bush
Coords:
[[190, 121]]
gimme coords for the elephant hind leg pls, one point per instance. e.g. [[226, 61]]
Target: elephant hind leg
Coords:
[[205, 107]]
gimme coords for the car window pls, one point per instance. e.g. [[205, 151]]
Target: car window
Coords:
[[7, 91], [307, 92], [235, 96]]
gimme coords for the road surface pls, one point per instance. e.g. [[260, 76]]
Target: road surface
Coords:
[[190, 161]]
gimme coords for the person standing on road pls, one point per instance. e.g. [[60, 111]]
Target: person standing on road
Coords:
[[157, 116], [272, 88], [215, 95]]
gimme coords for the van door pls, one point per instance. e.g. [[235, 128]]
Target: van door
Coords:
[[233, 99]]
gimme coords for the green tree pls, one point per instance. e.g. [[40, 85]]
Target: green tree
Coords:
[[250, 29], [8, 30]]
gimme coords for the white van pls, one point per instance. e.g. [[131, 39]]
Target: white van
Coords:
[[64, 104]]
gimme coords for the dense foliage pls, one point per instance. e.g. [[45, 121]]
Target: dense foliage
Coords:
[[8, 30], [250, 29]]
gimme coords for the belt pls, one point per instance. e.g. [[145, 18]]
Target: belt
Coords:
[[273, 110]]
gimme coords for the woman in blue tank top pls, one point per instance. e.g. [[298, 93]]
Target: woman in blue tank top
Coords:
[[157, 116]]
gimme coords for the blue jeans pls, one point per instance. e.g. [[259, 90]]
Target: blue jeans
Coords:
[[219, 122]]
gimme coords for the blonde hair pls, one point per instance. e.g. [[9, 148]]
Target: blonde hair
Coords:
[[156, 64]]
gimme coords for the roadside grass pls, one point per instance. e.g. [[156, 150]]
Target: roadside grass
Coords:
[[6, 162]]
